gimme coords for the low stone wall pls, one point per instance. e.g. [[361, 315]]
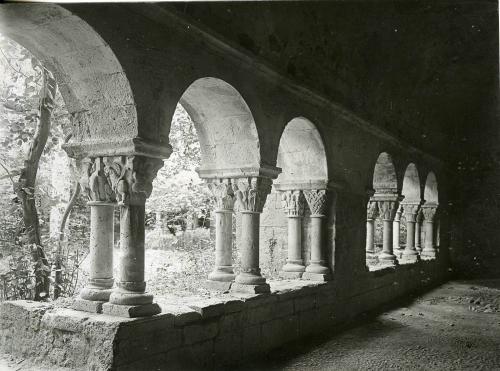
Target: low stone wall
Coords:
[[196, 332]]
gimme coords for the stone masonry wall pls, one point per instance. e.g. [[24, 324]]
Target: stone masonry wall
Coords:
[[197, 332]]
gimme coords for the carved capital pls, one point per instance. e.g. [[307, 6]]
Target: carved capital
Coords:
[[316, 200], [223, 193], [388, 209], [132, 177], [293, 203], [251, 192], [411, 211], [371, 210], [94, 181], [397, 218], [420, 216], [429, 212]]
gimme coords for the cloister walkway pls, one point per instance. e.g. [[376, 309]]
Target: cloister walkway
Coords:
[[454, 327]]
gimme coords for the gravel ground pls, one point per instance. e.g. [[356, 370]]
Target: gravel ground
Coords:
[[454, 327]]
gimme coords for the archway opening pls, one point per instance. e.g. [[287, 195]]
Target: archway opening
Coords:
[[303, 163], [212, 134]]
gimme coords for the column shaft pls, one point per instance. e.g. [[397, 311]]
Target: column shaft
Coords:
[[317, 263], [370, 236], [429, 250], [294, 262], [249, 247], [101, 252], [418, 233], [223, 270]]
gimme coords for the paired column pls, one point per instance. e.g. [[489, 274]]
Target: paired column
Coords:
[[223, 273], [429, 212], [388, 206], [132, 178], [410, 254], [317, 269], [371, 216], [96, 185], [251, 194], [293, 205]]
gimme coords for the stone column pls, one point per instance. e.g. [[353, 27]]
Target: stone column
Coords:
[[293, 205], [396, 229], [388, 207], [371, 216], [317, 270], [410, 255], [223, 273], [101, 201], [418, 231], [133, 177], [429, 211], [251, 194]]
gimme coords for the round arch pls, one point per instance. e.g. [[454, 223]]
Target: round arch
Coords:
[[301, 154], [92, 81], [384, 175], [411, 184], [225, 125], [431, 194]]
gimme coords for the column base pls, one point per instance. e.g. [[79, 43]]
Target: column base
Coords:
[[131, 311], [323, 277], [222, 286], [123, 297], [317, 267], [290, 275], [91, 306], [294, 266], [222, 274], [399, 253], [428, 254], [246, 278], [92, 293], [263, 288], [409, 258], [387, 260], [371, 258]]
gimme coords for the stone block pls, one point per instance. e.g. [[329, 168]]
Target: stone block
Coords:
[[208, 308], [228, 348], [283, 308], [279, 331], [131, 311], [200, 332], [291, 275], [252, 341], [218, 286], [234, 305], [251, 289], [182, 314], [317, 276], [304, 303], [90, 306], [64, 320], [231, 322], [143, 326]]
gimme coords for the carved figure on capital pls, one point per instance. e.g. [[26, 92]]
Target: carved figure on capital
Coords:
[[316, 200], [251, 192], [222, 192], [293, 203], [371, 210], [411, 211], [94, 182], [429, 212], [132, 177], [388, 209]]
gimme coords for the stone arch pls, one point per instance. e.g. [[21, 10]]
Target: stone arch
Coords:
[[431, 194], [229, 141], [385, 179], [92, 81], [301, 154], [411, 184]]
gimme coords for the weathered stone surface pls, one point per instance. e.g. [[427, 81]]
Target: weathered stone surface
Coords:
[[291, 275], [182, 314], [88, 305], [131, 311], [217, 285], [200, 332], [250, 289], [208, 308], [317, 276]]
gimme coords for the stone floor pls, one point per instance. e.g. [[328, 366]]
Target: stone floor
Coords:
[[454, 327]]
